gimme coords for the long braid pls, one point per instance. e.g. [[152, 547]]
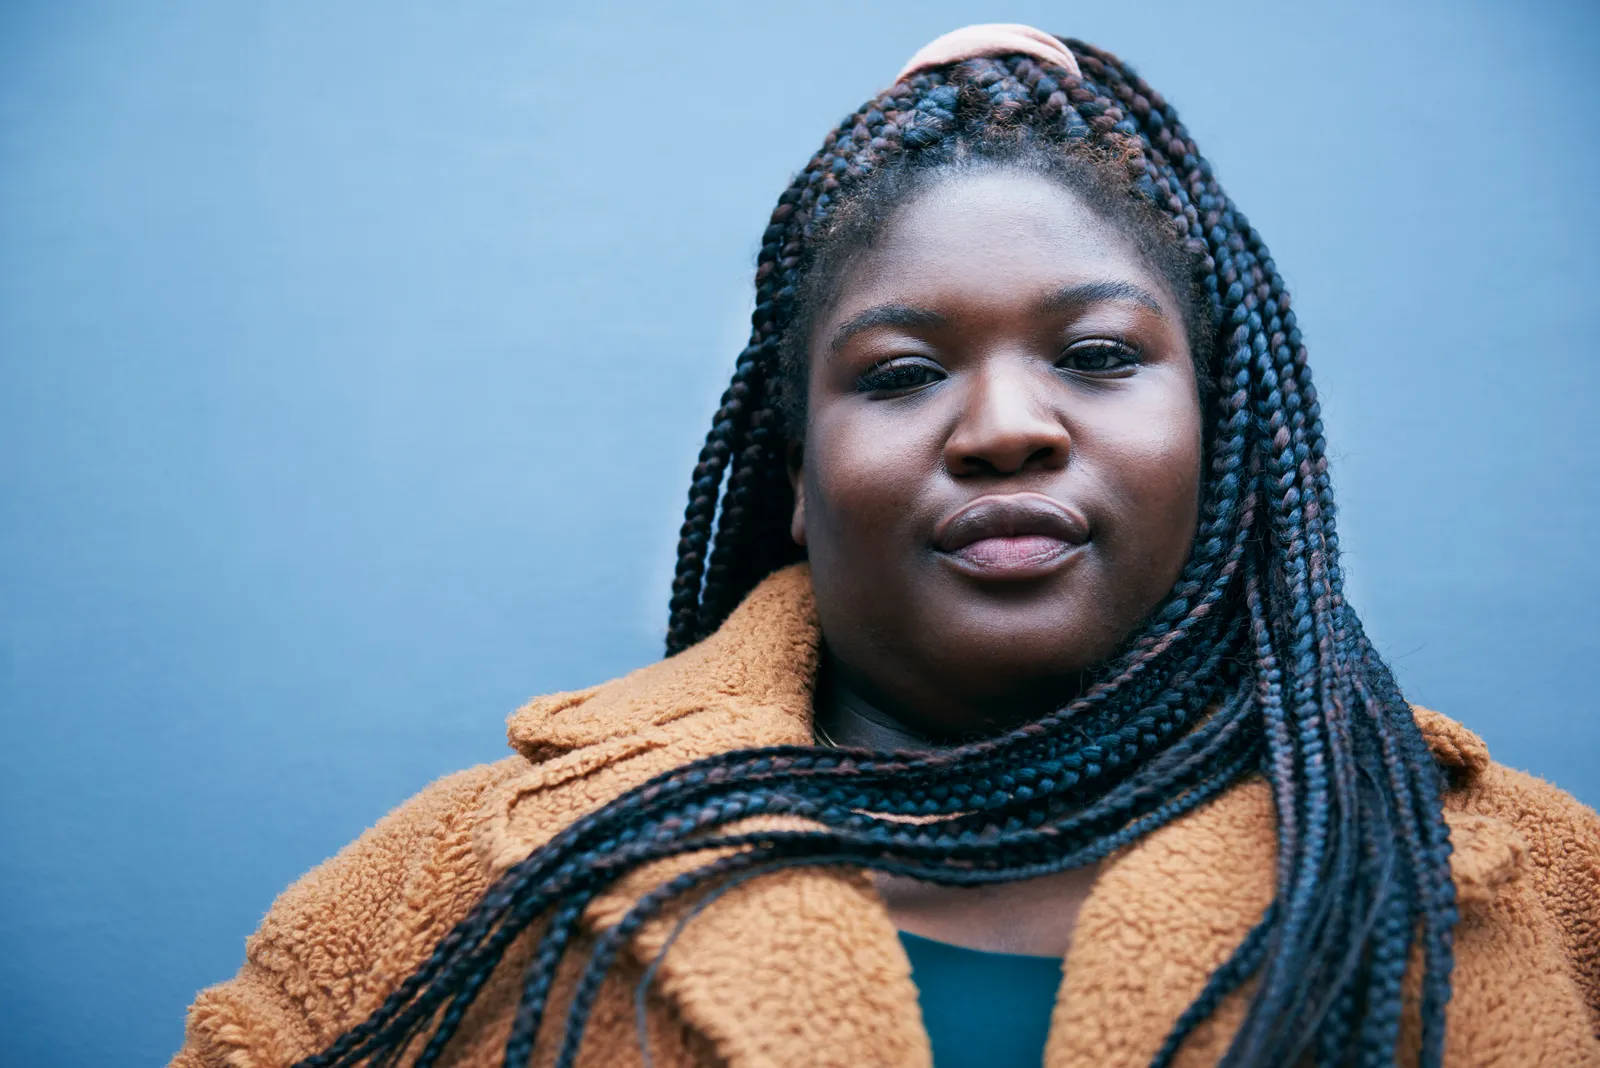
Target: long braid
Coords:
[[1253, 664]]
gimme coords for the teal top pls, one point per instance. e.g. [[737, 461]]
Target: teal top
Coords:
[[983, 1010]]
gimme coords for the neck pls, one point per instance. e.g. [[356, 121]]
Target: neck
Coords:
[[845, 715], [849, 713]]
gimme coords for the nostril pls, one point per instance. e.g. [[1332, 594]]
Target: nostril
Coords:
[[1006, 461]]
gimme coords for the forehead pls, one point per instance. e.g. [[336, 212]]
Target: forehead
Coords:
[[997, 236]]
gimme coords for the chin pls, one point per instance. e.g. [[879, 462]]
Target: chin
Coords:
[[1042, 640], [1021, 664], [1022, 675]]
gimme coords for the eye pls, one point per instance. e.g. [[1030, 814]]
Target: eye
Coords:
[[897, 375], [1099, 356]]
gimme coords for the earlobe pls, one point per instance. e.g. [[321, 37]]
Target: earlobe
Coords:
[[797, 519]]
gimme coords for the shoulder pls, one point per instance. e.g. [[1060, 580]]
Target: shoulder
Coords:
[[1525, 858], [342, 935], [1553, 841], [1554, 836], [1541, 809], [422, 838], [1544, 829]]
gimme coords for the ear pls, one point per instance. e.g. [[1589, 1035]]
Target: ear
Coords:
[[795, 460]]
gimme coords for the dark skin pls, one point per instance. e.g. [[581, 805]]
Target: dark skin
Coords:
[[999, 481]]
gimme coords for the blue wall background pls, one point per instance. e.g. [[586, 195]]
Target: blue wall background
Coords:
[[355, 357]]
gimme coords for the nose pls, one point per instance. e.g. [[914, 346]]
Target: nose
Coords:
[[1008, 423]]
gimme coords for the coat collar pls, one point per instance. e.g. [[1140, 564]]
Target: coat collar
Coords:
[[825, 935], [761, 663]]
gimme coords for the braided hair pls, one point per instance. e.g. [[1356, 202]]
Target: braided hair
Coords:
[[1253, 664]]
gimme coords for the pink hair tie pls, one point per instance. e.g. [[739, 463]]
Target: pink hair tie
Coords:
[[990, 39]]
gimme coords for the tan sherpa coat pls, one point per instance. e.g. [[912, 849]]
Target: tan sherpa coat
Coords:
[[804, 967]]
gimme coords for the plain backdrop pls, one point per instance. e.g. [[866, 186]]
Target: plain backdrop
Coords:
[[355, 357]]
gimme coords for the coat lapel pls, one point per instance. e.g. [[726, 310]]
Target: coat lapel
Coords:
[[799, 967], [1170, 909], [1162, 916]]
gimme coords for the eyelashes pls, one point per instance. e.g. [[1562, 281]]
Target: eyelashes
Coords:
[[1095, 358], [1099, 357], [898, 374]]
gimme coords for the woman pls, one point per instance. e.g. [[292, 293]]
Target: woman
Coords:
[[1067, 668]]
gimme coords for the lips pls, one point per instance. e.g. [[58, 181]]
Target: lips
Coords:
[[1012, 515], [1014, 535]]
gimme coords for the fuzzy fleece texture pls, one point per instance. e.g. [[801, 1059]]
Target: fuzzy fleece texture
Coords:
[[804, 967]]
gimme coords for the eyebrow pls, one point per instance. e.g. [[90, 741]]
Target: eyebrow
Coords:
[[908, 315], [884, 315], [1101, 293]]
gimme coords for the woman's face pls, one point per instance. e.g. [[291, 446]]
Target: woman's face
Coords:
[[1000, 474]]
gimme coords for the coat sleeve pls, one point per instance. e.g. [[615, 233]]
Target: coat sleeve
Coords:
[[346, 933]]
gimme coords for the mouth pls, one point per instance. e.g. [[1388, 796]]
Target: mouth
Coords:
[[1013, 536]]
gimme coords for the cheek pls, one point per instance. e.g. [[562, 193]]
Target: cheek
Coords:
[[860, 473], [1153, 461]]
